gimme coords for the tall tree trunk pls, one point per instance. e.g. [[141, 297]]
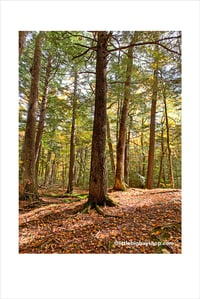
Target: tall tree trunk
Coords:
[[30, 187], [98, 171], [168, 142], [22, 39], [149, 184], [72, 141], [119, 183], [43, 109], [112, 161]]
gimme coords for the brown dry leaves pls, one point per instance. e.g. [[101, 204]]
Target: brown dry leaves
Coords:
[[150, 222]]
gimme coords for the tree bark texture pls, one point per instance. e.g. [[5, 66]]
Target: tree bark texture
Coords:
[[30, 187], [98, 171]]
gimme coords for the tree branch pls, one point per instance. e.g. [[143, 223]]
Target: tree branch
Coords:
[[170, 50], [88, 72], [85, 52], [167, 38], [90, 48], [157, 42]]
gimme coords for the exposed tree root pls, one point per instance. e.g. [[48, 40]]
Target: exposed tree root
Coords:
[[86, 209], [92, 205]]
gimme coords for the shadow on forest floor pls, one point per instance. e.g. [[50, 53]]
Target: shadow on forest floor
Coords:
[[150, 222]]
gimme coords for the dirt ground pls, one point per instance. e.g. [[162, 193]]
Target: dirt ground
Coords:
[[144, 221]]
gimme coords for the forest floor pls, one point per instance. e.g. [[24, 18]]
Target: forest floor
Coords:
[[148, 221]]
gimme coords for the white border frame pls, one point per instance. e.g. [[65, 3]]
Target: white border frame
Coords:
[[99, 276]]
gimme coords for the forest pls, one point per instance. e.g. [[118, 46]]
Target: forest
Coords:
[[100, 142]]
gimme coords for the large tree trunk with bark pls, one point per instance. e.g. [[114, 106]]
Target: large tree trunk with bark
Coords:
[[29, 182], [72, 141], [98, 171]]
